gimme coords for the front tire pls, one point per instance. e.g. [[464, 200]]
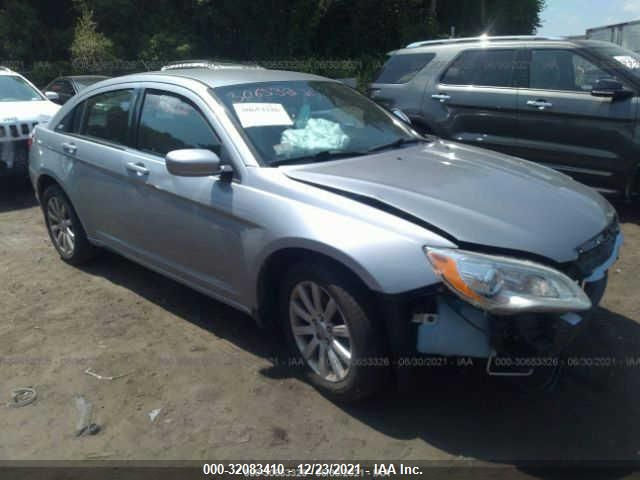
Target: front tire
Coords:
[[329, 329], [64, 227]]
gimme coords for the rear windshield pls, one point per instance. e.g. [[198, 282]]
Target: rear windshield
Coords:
[[402, 68], [85, 82]]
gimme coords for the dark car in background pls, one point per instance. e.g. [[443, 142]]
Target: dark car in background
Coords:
[[62, 89], [568, 104]]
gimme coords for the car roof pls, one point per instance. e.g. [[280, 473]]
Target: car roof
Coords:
[[217, 78], [457, 44], [86, 77], [8, 71]]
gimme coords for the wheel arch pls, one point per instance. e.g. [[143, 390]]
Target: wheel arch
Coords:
[[279, 261], [44, 181]]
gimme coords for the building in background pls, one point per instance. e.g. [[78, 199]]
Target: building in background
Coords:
[[626, 35]]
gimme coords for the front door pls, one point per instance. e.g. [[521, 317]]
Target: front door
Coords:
[[183, 226], [567, 128]]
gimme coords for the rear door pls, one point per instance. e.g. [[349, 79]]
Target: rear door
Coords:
[[94, 148], [567, 128], [475, 100]]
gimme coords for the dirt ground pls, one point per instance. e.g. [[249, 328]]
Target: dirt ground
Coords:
[[208, 369]]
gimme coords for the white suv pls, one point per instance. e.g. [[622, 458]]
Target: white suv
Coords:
[[22, 107]]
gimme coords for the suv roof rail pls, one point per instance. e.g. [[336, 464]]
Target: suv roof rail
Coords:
[[209, 64], [445, 41]]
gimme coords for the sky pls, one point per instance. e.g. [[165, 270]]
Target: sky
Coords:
[[573, 17]]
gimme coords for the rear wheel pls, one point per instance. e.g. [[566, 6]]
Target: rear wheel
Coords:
[[330, 331], [64, 227]]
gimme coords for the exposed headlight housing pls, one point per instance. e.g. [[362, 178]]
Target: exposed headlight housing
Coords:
[[506, 286]]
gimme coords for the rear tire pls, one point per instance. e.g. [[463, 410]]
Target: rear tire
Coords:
[[64, 227], [330, 331]]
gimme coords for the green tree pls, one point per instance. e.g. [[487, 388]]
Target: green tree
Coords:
[[90, 49]]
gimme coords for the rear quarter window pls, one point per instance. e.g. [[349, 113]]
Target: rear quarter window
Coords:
[[402, 68]]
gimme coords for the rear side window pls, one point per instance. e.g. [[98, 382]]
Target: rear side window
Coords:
[[107, 116], [169, 122], [486, 68], [402, 68], [71, 122]]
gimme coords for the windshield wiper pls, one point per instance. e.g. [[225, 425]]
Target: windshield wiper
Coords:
[[396, 144], [322, 156]]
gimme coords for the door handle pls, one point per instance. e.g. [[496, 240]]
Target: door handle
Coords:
[[442, 97], [137, 168], [69, 148], [539, 104]]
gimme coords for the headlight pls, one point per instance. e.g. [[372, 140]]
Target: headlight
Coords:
[[505, 286]]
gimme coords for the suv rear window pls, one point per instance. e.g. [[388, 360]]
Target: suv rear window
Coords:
[[402, 68], [486, 68]]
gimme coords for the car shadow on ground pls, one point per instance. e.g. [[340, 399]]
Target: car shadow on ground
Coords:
[[591, 415], [16, 194]]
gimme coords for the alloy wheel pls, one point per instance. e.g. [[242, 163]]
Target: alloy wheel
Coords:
[[61, 226], [320, 331]]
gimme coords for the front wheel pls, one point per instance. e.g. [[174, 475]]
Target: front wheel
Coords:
[[330, 330]]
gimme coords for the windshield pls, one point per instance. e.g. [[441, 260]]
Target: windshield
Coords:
[[16, 89], [298, 121], [621, 58]]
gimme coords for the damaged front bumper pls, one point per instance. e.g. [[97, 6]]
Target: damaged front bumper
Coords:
[[436, 322]]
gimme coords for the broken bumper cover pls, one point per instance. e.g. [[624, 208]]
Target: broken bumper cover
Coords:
[[437, 322], [459, 329]]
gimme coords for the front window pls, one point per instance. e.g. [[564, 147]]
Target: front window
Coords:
[[619, 58], [169, 122], [17, 89], [553, 69], [301, 121]]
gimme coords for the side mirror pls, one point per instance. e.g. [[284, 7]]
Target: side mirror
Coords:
[[401, 115], [53, 96], [195, 162], [610, 88]]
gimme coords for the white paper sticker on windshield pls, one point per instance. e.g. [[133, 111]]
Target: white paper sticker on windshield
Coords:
[[628, 61], [262, 114]]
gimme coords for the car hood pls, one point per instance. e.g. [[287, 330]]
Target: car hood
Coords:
[[476, 196], [40, 111]]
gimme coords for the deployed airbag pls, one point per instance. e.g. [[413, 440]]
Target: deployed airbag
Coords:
[[317, 134]]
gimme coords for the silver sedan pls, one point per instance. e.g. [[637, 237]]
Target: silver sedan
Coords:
[[299, 201]]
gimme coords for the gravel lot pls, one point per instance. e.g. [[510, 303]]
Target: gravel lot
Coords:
[[208, 369]]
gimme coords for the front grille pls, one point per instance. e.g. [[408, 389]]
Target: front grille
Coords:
[[594, 252]]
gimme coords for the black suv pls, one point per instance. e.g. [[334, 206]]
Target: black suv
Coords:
[[569, 104]]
